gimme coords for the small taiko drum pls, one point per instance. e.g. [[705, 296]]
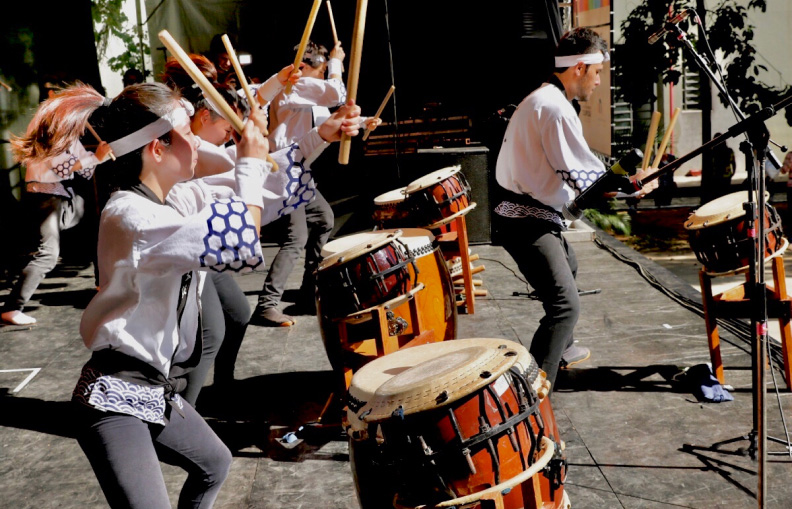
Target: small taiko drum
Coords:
[[439, 197], [450, 424], [391, 210], [719, 236], [434, 301]]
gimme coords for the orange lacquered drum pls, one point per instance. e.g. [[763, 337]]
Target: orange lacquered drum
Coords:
[[448, 424], [391, 210], [718, 233], [439, 197], [434, 300]]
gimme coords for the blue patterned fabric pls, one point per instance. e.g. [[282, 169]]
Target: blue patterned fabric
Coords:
[[301, 186], [579, 180], [111, 394], [517, 211], [231, 241], [64, 169]]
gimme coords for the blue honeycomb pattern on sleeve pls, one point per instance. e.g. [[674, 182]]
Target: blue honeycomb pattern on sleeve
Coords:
[[231, 241], [64, 168], [301, 187], [579, 180], [86, 173]]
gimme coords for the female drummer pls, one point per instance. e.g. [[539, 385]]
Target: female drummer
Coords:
[[225, 308], [49, 202], [143, 325]]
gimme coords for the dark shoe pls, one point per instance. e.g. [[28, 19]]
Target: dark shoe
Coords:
[[573, 355], [272, 317]]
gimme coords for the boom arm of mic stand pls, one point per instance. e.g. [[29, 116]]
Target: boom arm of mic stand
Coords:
[[740, 127], [725, 93]]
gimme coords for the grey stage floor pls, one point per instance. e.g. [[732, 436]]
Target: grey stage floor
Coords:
[[636, 437]]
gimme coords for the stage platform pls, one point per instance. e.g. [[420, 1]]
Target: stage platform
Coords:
[[635, 435]]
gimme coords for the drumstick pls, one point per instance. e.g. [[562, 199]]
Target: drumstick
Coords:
[[382, 107], [332, 22], [354, 72], [91, 129], [666, 137], [304, 41], [208, 89], [241, 75], [8, 87], [650, 139]]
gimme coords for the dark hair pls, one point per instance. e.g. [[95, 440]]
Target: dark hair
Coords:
[[134, 108], [312, 54], [579, 41], [132, 76]]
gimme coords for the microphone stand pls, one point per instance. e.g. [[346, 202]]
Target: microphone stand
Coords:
[[702, 64], [756, 150]]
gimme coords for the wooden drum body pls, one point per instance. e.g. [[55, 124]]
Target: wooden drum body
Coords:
[[439, 197], [391, 210], [450, 423], [427, 280], [719, 233]]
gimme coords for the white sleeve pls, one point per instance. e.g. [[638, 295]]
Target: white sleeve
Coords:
[[315, 92], [88, 160], [569, 154], [335, 67], [221, 235], [269, 89]]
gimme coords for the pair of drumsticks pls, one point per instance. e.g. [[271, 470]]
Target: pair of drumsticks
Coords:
[[650, 139]]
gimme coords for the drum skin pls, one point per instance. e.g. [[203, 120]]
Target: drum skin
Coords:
[[388, 466], [391, 210], [435, 302]]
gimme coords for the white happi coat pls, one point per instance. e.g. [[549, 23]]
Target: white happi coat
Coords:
[[544, 154]]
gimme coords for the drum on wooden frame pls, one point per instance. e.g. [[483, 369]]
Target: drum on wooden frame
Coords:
[[391, 209], [439, 197], [719, 236], [435, 302]]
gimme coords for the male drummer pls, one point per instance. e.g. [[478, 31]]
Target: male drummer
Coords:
[[543, 163]]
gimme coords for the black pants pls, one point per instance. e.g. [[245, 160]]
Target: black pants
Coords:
[[306, 228], [549, 265]]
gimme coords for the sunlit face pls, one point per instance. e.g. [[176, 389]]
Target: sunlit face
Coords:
[[214, 129], [589, 81], [182, 152]]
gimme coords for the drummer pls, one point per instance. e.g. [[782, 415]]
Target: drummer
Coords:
[[543, 163], [291, 116]]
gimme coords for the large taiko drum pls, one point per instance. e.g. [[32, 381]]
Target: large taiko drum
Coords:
[[447, 423], [363, 272], [718, 233], [439, 197], [434, 302], [391, 210]]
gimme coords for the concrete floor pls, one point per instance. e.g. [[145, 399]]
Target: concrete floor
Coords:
[[636, 437]]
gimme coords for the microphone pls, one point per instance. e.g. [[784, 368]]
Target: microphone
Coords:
[[667, 26], [616, 178]]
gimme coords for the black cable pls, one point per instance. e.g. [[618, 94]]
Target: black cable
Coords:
[[393, 82]]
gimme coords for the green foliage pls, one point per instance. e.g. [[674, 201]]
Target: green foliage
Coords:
[[110, 21], [728, 30], [609, 220]]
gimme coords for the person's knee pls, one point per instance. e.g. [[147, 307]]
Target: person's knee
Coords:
[[219, 466]]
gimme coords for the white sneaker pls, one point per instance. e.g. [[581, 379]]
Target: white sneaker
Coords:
[[17, 318]]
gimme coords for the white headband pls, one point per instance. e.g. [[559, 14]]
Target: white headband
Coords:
[[587, 58], [151, 132]]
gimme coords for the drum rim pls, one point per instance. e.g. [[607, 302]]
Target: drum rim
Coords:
[[392, 202], [778, 252], [431, 179], [453, 216], [378, 408], [355, 251], [698, 221], [406, 238]]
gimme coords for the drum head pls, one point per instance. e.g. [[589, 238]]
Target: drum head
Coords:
[[430, 376], [431, 179], [719, 210], [420, 242], [391, 197], [355, 245]]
